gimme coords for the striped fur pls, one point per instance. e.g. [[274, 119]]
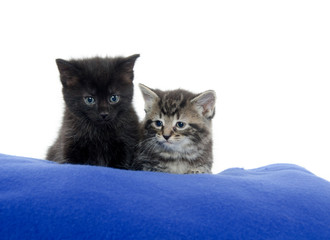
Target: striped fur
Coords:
[[183, 142]]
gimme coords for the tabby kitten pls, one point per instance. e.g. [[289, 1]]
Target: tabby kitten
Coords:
[[100, 126], [176, 132]]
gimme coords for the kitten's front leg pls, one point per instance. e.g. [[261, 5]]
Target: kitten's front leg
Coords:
[[150, 167], [194, 171], [198, 170]]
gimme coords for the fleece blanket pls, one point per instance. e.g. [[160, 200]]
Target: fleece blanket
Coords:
[[45, 200]]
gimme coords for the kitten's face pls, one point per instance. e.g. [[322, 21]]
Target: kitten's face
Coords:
[[177, 120], [173, 133], [97, 89]]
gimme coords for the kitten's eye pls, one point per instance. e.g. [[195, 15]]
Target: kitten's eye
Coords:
[[89, 100], [180, 124], [114, 99], [159, 123]]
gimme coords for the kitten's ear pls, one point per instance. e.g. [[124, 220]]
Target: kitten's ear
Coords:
[[68, 72], [149, 97], [205, 103], [128, 62], [127, 65]]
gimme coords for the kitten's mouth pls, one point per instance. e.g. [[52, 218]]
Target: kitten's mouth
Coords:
[[103, 121], [166, 145], [166, 142]]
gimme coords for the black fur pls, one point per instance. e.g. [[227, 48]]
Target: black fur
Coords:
[[103, 133]]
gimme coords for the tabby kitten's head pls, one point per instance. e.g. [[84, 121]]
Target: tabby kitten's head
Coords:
[[97, 89], [176, 121]]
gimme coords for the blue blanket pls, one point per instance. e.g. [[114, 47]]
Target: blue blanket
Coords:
[[45, 200]]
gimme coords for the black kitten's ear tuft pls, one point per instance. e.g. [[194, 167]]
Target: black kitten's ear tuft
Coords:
[[68, 72], [126, 65], [128, 62]]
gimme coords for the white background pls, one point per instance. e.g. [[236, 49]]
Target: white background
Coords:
[[268, 61]]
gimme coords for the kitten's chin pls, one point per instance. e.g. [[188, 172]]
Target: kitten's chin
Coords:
[[170, 146], [102, 122]]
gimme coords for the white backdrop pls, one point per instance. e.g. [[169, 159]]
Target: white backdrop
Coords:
[[268, 61]]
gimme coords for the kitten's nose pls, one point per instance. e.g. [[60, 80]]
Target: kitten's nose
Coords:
[[166, 137], [104, 115]]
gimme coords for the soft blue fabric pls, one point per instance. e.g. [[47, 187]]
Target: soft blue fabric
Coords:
[[45, 200]]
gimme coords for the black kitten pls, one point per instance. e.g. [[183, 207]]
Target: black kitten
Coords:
[[100, 126]]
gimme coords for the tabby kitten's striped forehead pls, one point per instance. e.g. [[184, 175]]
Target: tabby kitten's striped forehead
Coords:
[[172, 102], [169, 106], [178, 103]]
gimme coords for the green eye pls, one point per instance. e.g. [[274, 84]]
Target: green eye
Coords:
[[114, 99], [180, 124], [89, 100]]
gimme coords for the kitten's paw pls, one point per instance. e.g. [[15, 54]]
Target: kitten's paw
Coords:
[[195, 171]]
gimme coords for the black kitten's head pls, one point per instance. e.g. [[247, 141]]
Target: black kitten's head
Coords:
[[97, 89]]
